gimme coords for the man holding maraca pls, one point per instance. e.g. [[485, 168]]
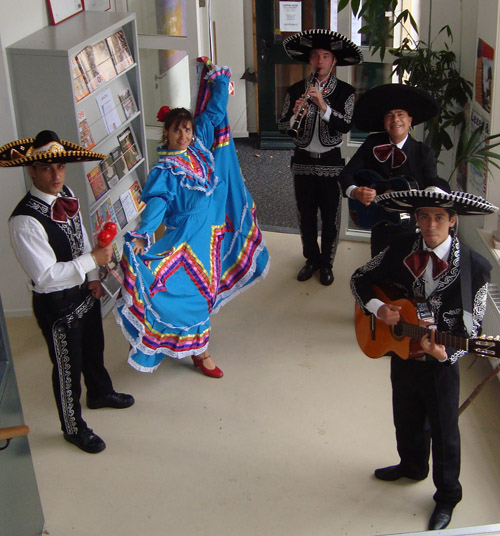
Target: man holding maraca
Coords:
[[52, 246]]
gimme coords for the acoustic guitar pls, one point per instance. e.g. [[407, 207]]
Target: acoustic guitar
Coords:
[[377, 339]]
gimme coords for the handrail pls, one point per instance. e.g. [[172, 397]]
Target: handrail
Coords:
[[6, 434]]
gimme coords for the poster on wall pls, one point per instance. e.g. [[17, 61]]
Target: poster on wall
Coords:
[[484, 75], [170, 20], [63, 9], [476, 180], [291, 16]]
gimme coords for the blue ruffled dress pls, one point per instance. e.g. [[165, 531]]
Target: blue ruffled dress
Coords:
[[212, 248]]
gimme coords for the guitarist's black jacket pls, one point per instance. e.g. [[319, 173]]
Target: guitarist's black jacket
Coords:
[[446, 300], [420, 164]]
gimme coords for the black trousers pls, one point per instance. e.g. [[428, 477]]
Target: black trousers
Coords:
[[425, 398], [71, 323], [317, 190]]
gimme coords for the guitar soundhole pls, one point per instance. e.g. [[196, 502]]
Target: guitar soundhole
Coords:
[[397, 331]]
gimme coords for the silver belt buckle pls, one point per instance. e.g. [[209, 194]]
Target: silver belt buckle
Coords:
[[314, 155]]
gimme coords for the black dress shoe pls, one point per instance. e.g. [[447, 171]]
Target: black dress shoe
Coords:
[[111, 400], [441, 517], [86, 440], [307, 271], [326, 276], [395, 472]]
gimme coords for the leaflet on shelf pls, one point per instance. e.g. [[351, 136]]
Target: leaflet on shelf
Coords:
[[100, 216], [97, 183], [108, 171], [111, 275], [120, 51], [120, 215], [80, 87], [86, 138], [129, 147], [108, 110], [128, 103]]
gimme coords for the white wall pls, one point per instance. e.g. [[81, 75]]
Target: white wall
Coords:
[[484, 16], [14, 25], [230, 48]]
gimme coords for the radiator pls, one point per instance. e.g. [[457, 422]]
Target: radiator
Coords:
[[491, 320]]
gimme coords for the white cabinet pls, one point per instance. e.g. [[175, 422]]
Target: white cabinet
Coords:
[[46, 98]]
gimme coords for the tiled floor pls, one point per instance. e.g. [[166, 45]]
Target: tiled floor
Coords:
[[284, 445]]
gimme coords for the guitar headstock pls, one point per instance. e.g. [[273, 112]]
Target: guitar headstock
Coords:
[[485, 346]]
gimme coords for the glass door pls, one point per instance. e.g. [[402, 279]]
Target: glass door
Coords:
[[276, 20], [370, 73]]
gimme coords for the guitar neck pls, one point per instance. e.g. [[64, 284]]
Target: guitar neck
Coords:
[[417, 332]]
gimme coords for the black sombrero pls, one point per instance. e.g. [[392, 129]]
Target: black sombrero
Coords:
[[299, 46], [462, 203], [376, 102], [45, 147]]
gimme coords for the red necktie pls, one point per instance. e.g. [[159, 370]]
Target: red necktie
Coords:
[[417, 261], [383, 152], [63, 208]]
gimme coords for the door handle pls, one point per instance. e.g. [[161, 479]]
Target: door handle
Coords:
[[6, 434], [263, 50]]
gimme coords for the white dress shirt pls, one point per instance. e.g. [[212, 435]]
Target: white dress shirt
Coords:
[[430, 284], [37, 258]]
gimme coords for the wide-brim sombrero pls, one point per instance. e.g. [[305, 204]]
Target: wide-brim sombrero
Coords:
[[376, 102], [299, 46], [462, 203], [46, 147]]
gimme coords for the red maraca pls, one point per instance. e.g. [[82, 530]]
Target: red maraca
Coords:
[[105, 237]]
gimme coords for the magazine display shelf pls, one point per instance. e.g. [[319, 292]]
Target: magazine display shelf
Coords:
[[46, 96]]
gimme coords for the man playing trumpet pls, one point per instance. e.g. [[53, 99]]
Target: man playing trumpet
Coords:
[[316, 112]]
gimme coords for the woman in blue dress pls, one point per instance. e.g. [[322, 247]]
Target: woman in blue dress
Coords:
[[212, 247]]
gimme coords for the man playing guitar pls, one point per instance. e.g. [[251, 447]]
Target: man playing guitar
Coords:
[[431, 264]]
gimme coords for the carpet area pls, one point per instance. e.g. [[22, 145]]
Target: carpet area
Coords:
[[268, 177]]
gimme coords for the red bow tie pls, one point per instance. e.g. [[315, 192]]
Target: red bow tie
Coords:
[[417, 261], [63, 208], [383, 152]]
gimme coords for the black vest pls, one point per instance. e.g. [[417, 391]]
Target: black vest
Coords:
[[66, 239]]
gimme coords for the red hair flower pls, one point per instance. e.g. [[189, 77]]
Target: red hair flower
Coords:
[[162, 113]]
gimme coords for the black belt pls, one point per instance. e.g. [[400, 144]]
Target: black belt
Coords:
[[63, 294], [311, 154]]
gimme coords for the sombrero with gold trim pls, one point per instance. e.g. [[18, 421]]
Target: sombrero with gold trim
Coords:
[[299, 46], [44, 147], [462, 203]]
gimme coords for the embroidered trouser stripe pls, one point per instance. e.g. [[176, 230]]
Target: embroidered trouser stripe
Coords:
[[62, 369], [75, 342]]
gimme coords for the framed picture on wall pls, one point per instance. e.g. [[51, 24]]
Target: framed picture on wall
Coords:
[[64, 9]]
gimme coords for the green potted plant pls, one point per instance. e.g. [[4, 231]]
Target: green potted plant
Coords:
[[418, 63]]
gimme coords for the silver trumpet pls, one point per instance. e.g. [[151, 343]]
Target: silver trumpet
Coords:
[[293, 131]]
